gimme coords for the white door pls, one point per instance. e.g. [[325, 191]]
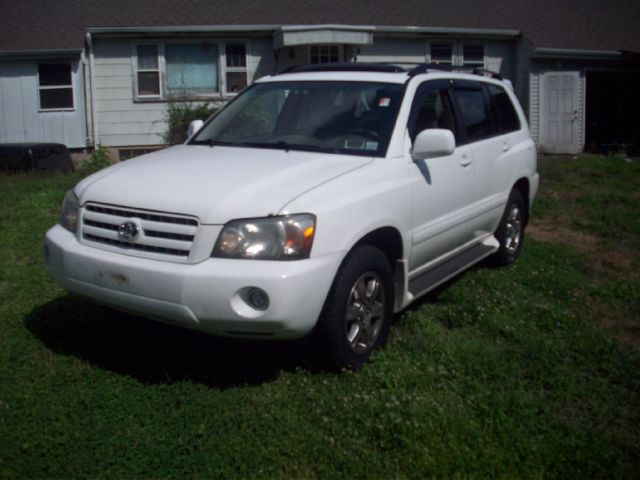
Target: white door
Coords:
[[442, 188], [560, 113]]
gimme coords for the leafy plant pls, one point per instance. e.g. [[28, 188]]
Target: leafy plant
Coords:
[[180, 114], [99, 159]]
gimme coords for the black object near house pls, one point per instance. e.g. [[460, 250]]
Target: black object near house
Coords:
[[52, 157]]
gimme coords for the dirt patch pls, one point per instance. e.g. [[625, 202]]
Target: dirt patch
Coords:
[[547, 231], [606, 263], [601, 258]]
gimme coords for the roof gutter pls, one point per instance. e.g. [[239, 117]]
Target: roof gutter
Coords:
[[577, 54], [494, 32], [186, 29], [41, 53]]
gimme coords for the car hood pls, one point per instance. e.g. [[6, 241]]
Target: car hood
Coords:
[[215, 184]]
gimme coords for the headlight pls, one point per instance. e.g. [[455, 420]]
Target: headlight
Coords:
[[70, 211], [287, 237]]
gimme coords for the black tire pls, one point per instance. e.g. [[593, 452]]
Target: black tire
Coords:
[[346, 334], [510, 232]]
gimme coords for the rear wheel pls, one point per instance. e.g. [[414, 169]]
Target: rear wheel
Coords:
[[510, 232], [358, 311]]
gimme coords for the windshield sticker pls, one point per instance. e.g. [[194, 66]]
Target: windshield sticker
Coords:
[[371, 146], [384, 102], [353, 144]]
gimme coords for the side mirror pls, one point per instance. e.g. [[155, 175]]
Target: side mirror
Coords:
[[434, 142], [194, 126]]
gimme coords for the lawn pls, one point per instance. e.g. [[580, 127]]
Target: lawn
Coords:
[[522, 372]]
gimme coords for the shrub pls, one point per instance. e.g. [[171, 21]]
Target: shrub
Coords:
[[178, 117], [99, 160]]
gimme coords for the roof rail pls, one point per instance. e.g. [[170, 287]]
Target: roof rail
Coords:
[[487, 73], [345, 67], [410, 69], [425, 67]]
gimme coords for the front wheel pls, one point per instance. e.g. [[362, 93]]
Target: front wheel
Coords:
[[510, 232], [357, 314]]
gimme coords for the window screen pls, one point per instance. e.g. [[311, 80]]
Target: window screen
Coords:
[[148, 70], [236, 67], [442, 54], [191, 69], [55, 87], [473, 56], [324, 54]]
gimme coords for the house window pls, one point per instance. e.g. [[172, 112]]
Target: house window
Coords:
[[55, 87], [147, 71], [473, 56], [442, 53], [192, 69], [236, 67], [324, 54], [457, 54], [189, 69]]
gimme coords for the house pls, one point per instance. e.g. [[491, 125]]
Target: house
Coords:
[[89, 72]]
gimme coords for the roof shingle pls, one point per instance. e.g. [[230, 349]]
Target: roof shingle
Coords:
[[30, 25]]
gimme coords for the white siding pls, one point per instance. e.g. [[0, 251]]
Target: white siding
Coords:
[[500, 57], [534, 107], [390, 49], [582, 82], [122, 121], [20, 118]]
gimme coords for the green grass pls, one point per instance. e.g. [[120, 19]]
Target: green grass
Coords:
[[502, 373]]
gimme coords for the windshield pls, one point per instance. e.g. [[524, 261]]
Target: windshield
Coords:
[[355, 118]]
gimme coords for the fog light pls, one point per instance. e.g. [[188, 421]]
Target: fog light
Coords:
[[258, 298]]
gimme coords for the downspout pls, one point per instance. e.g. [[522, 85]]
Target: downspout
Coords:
[[83, 61], [94, 121]]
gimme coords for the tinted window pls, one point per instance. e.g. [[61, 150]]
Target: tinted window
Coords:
[[507, 117], [335, 117], [474, 110], [432, 109]]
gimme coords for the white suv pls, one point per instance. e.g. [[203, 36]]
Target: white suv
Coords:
[[320, 201]]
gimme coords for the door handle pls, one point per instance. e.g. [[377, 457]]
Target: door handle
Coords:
[[506, 147], [466, 160]]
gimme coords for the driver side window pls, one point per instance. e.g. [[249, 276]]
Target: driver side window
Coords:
[[432, 109]]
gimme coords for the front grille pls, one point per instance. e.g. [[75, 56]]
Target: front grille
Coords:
[[159, 235]]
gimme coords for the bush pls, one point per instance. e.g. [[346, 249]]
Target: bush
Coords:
[[178, 117], [99, 160]]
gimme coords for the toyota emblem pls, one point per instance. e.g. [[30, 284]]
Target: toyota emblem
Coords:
[[128, 231]]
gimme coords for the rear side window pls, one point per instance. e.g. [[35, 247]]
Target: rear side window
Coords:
[[507, 118], [474, 110]]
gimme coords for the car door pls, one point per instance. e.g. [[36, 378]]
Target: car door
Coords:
[[485, 146], [501, 168], [443, 187]]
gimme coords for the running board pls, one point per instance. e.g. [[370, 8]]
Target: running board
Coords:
[[442, 272]]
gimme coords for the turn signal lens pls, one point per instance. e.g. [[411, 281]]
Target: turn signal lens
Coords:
[[287, 237], [70, 212]]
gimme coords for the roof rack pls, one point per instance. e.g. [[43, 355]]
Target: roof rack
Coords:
[[408, 68], [425, 67], [345, 67]]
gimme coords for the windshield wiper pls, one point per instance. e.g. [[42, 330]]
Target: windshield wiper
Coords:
[[282, 145]]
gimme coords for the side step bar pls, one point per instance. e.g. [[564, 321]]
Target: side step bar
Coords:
[[449, 268]]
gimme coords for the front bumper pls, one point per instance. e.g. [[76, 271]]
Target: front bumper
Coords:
[[207, 296]]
